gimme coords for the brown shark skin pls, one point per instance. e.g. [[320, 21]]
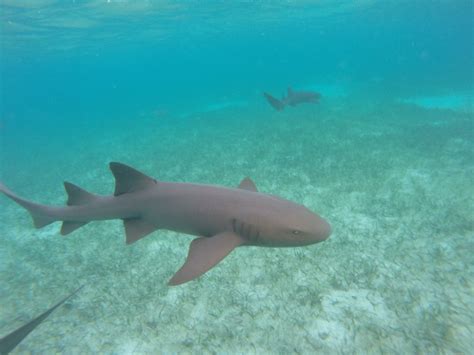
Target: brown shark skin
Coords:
[[239, 216], [293, 98]]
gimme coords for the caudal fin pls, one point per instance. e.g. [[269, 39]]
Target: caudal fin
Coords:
[[276, 104], [39, 213]]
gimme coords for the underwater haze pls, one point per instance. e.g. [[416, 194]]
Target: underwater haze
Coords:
[[175, 90]]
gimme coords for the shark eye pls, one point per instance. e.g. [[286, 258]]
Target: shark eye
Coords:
[[296, 232]]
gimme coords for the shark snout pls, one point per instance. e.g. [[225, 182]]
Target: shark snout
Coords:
[[321, 230], [326, 229]]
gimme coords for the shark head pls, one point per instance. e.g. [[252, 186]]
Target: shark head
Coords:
[[296, 225], [285, 224]]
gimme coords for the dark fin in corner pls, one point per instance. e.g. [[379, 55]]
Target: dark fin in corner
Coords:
[[10, 341], [128, 179], [204, 253], [276, 104], [248, 184], [137, 228]]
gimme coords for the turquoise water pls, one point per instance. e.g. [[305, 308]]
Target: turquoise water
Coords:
[[174, 89]]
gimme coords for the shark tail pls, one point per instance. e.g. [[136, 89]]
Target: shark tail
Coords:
[[43, 215], [276, 104], [39, 213]]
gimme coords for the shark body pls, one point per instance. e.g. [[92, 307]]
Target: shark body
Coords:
[[293, 98], [222, 218]]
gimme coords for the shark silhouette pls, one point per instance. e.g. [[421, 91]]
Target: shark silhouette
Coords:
[[293, 98], [10, 341], [222, 218]]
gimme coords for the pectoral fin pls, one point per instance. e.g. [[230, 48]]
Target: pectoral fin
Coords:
[[204, 253]]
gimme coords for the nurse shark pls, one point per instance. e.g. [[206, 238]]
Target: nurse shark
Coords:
[[222, 218], [293, 98]]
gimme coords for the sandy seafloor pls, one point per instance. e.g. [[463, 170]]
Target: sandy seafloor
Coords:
[[395, 180]]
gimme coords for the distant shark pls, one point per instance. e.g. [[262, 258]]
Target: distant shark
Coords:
[[293, 98], [222, 218], [10, 341]]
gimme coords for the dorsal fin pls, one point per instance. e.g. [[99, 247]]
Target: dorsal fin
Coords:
[[77, 196], [248, 184], [128, 179], [290, 92]]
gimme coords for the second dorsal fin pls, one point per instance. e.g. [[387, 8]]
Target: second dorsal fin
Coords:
[[248, 184], [128, 179], [77, 195]]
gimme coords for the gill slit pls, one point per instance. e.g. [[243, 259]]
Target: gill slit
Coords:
[[248, 231]]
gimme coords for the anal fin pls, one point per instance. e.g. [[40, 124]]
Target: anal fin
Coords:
[[69, 227], [40, 220], [137, 228]]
